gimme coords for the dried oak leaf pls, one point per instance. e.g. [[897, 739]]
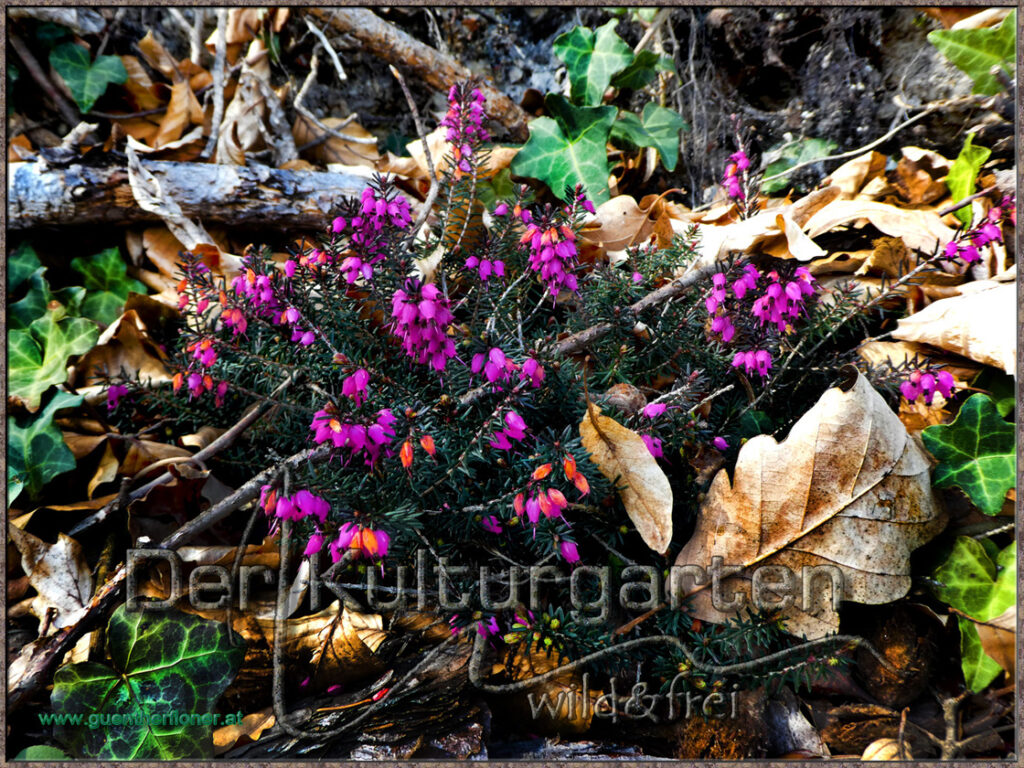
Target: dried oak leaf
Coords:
[[847, 488], [59, 573], [980, 324], [622, 456]]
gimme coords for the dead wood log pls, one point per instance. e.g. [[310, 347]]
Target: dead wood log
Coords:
[[38, 195], [436, 69]]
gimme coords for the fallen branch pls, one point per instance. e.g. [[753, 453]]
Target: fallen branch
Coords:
[[228, 194], [436, 69]]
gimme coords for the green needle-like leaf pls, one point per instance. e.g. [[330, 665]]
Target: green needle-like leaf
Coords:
[[569, 149], [592, 58], [36, 452], [106, 281], [86, 80], [164, 663], [976, 51], [976, 453]]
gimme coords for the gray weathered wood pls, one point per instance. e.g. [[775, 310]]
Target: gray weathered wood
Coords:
[[227, 194]]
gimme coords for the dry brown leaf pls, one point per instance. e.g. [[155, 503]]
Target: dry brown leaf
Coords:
[[618, 224], [250, 729], [19, 148], [622, 456], [890, 258], [124, 349], [139, 85], [142, 453], [182, 110], [565, 693], [921, 230], [59, 573], [998, 639], [851, 176], [979, 324], [768, 231], [895, 353], [106, 472], [847, 488], [920, 175], [243, 127], [203, 437], [158, 58], [335, 150], [839, 263], [802, 210]]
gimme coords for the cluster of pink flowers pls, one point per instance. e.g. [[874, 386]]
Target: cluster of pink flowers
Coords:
[[734, 173], [987, 231], [298, 506], [497, 367], [464, 121], [486, 267], [354, 386], [553, 254], [193, 268], [927, 383], [258, 289], [515, 430], [357, 437], [537, 501], [422, 318], [114, 395], [757, 361], [653, 411], [365, 542], [781, 302]]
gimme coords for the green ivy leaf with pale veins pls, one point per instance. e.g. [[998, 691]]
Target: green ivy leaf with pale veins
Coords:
[[36, 452], [164, 663], [977, 453], [37, 356], [105, 277], [86, 80], [657, 127], [976, 51], [592, 58], [568, 149]]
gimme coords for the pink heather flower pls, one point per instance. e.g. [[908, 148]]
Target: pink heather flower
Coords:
[[486, 267], [355, 386], [638, 278], [654, 410], [315, 544], [720, 443], [552, 254], [653, 445], [358, 438], [569, 551], [421, 319], [516, 426], [338, 225], [488, 628], [533, 371], [491, 524], [464, 121], [222, 390], [925, 382], [310, 505], [583, 202], [754, 361], [501, 209], [114, 395]]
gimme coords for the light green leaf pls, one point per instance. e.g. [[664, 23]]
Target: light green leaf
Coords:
[[164, 663], [644, 69], [592, 59], [658, 127], [107, 284], [86, 81], [37, 355], [36, 452], [974, 584], [976, 51], [963, 173], [977, 453], [569, 149], [798, 152], [979, 669], [40, 753]]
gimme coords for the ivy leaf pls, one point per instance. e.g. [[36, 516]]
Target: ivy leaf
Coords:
[[975, 584], [644, 69], [592, 58], [40, 753], [36, 452], [106, 281], [21, 265], [658, 127], [569, 149], [166, 663], [86, 81], [1000, 387], [962, 175], [979, 669], [976, 51], [799, 152], [976, 453], [36, 356]]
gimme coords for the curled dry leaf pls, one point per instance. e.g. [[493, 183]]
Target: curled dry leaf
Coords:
[[772, 232], [920, 175], [124, 349], [851, 177], [59, 573], [998, 639], [848, 488], [980, 324], [921, 230], [334, 149], [250, 729], [622, 456]]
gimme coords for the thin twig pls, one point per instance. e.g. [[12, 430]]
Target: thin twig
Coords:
[[966, 201], [220, 56], [660, 18], [68, 112], [434, 185], [193, 30], [327, 47], [328, 132]]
